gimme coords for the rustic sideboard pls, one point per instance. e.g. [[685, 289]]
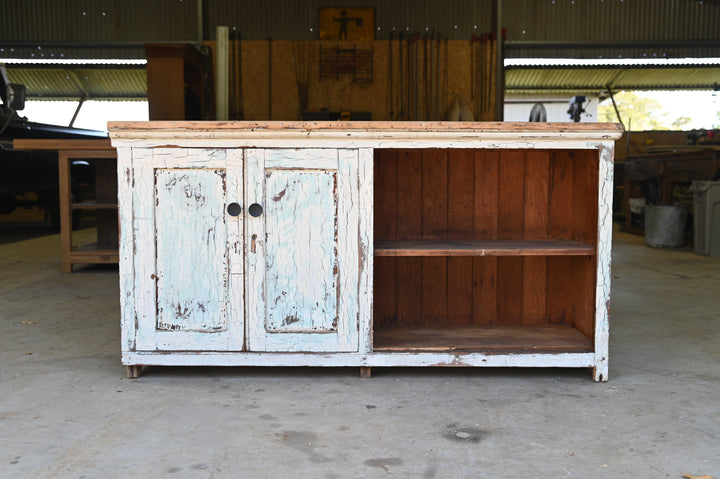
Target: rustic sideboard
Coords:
[[365, 244]]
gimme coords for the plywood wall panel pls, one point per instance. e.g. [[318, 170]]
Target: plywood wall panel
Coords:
[[270, 71]]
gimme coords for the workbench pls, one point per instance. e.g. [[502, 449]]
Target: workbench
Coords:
[[104, 159]]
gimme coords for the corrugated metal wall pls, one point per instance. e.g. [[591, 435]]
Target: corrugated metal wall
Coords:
[[535, 28], [283, 19], [633, 28]]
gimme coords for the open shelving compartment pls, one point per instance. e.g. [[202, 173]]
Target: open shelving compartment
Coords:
[[485, 250]]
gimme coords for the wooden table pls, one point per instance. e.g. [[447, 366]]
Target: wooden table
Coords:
[[105, 250]]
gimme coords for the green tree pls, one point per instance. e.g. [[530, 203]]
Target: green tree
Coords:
[[637, 113], [681, 123]]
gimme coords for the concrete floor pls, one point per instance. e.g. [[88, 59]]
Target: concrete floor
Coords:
[[67, 411]]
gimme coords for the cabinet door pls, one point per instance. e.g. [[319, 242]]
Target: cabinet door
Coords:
[[189, 256], [303, 250]]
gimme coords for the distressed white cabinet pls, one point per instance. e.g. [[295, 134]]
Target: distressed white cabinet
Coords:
[[213, 226], [365, 244]]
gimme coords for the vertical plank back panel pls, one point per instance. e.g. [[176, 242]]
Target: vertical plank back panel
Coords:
[[535, 226], [385, 228], [560, 195], [560, 281], [461, 186], [485, 194], [434, 276], [510, 225], [485, 226], [409, 227]]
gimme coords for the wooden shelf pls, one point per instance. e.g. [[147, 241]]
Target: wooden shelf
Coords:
[[494, 339], [94, 206], [483, 248], [93, 253]]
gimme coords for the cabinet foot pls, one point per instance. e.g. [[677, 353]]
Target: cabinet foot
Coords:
[[134, 371], [600, 374], [365, 372]]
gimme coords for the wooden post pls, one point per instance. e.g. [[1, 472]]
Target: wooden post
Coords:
[[499, 64], [65, 213], [365, 372], [222, 74]]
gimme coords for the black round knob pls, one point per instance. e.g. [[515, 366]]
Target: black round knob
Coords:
[[255, 210], [234, 209]]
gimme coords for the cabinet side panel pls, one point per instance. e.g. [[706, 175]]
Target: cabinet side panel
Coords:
[[535, 226], [485, 223], [604, 244], [510, 226], [408, 286], [461, 187], [434, 194], [385, 221], [126, 269]]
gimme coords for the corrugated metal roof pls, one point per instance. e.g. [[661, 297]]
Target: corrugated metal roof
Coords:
[[89, 21], [596, 79], [535, 28], [611, 20], [283, 19], [112, 82], [71, 82]]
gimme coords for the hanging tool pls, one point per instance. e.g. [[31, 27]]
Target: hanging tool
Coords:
[[410, 77], [416, 82], [237, 110], [269, 78], [426, 77], [401, 92], [437, 79], [445, 75], [390, 75], [472, 67]]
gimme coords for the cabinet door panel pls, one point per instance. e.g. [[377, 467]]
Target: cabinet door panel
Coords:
[[300, 255], [189, 245], [303, 252], [192, 260]]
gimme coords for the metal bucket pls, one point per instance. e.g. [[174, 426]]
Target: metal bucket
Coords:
[[665, 226]]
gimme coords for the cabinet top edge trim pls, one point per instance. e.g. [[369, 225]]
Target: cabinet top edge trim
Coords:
[[367, 131]]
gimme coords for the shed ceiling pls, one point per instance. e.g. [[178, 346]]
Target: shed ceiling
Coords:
[[594, 80], [128, 82], [74, 81]]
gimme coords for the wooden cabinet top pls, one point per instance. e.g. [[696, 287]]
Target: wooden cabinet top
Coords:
[[375, 134]]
